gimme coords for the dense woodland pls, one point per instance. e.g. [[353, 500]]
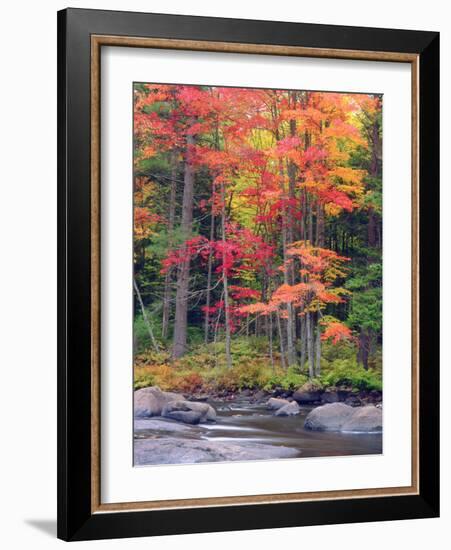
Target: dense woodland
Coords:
[[257, 236]]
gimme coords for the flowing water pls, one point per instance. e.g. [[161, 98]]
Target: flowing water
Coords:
[[253, 422], [241, 421]]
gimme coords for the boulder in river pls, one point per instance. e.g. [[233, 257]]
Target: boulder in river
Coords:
[[339, 417], [189, 412], [274, 403], [150, 401], [174, 450], [330, 417], [163, 425], [291, 409], [364, 419]]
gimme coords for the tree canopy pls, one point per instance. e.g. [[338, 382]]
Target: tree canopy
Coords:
[[258, 212]]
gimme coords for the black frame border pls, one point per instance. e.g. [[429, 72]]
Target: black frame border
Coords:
[[75, 520]]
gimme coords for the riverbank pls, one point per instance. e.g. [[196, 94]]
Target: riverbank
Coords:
[[204, 372], [308, 394]]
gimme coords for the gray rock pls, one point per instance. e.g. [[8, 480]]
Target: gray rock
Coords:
[[307, 396], [343, 394], [375, 396], [344, 418], [292, 409], [353, 400], [188, 451], [189, 412], [198, 397], [274, 403], [259, 396], [364, 419], [187, 416], [308, 393], [150, 401], [330, 397], [161, 425], [330, 417]]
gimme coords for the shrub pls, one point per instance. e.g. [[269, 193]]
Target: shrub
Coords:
[[205, 369], [347, 372], [162, 375], [189, 383], [290, 379], [246, 375], [143, 380]]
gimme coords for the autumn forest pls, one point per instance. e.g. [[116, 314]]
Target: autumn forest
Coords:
[[257, 239]]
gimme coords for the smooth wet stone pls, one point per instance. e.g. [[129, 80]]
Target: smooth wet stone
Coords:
[[161, 425], [330, 417], [291, 409], [189, 412], [150, 401], [275, 403], [339, 417], [186, 451], [364, 419]]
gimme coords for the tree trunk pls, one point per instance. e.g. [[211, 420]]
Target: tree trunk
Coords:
[[168, 276], [271, 353], [225, 283], [181, 299], [215, 332], [310, 221], [311, 364], [365, 347], [146, 319], [372, 231], [303, 340], [291, 356], [320, 244], [281, 343], [318, 347], [303, 214], [319, 225], [209, 273], [292, 171]]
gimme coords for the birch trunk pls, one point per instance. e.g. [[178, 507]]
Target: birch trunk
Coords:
[[145, 317], [225, 283]]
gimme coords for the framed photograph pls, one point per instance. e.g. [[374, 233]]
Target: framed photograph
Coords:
[[248, 274]]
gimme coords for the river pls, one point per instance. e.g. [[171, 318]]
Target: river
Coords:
[[249, 426]]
